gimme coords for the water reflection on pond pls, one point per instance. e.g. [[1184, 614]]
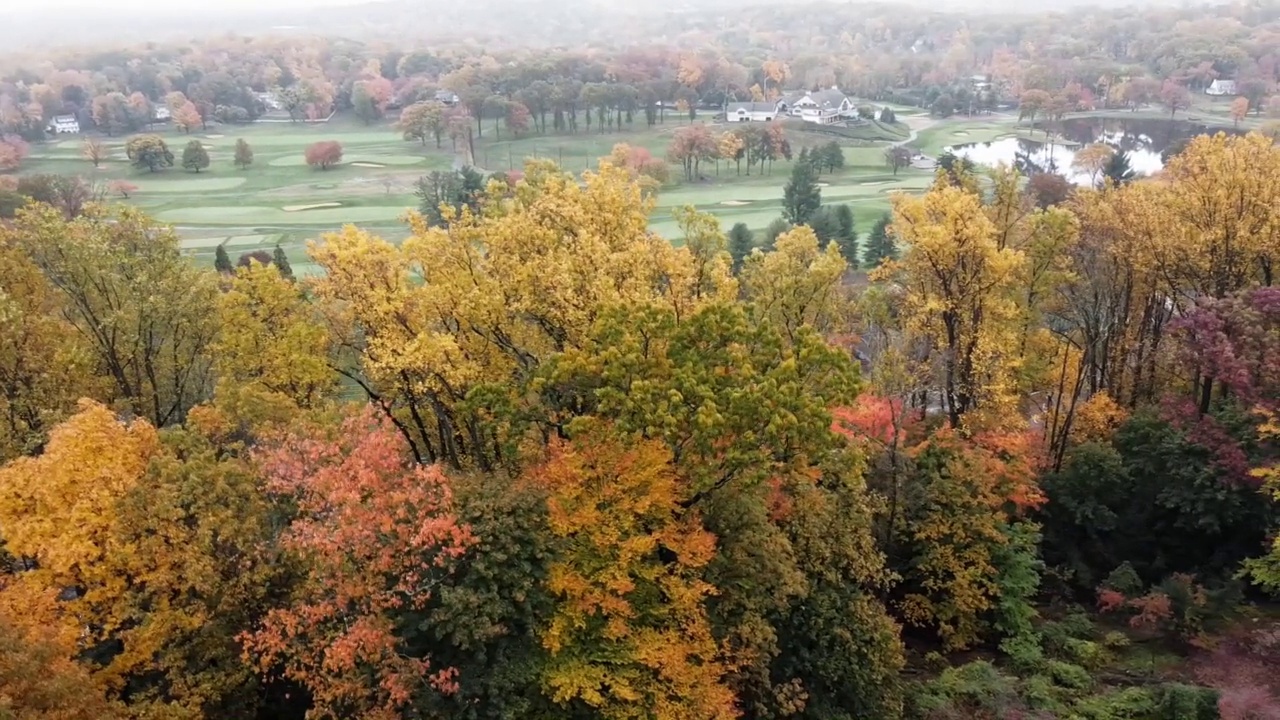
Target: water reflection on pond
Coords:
[[1148, 142]]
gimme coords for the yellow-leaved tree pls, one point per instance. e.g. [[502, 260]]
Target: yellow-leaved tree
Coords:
[[630, 638], [141, 307], [440, 329], [960, 279], [271, 352], [799, 284], [153, 546], [45, 365]]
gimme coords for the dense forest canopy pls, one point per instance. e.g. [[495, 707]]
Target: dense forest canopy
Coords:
[[1010, 452]]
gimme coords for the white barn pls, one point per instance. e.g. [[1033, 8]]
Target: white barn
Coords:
[[1221, 87], [751, 112], [64, 124]]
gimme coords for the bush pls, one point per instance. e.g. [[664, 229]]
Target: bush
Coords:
[[1115, 640], [1069, 676], [1086, 653], [1024, 652]]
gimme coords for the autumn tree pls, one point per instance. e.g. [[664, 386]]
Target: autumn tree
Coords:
[[140, 305], [271, 353], [343, 635], [324, 154], [629, 585], [37, 667], [959, 280], [690, 146], [798, 284], [13, 150], [528, 260], [1092, 160], [1031, 104], [160, 537], [45, 365], [187, 118], [1119, 169], [95, 151], [422, 120], [964, 531], [195, 156], [243, 154], [1174, 96], [123, 188], [1239, 110], [148, 151]]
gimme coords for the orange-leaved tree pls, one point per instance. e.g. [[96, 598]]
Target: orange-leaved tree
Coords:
[[630, 637], [375, 534]]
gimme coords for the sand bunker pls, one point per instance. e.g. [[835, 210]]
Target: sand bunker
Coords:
[[735, 203], [367, 164], [878, 182], [214, 137], [314, 206], [824, 184], [960, 133]]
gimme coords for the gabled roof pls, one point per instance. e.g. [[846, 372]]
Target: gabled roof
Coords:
[[754, 107], [832, 98], [826, 99]]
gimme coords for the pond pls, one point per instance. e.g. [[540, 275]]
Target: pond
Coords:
[[1148, 142]]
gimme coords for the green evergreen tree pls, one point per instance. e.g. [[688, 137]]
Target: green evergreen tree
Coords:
[[803, 157], [741, 242], [801, 197], [825, 225], [282, 262], [833, 156], [771, 233], [847, 234], [221, 262], [1119, 169], [888, 116], [880, 245], [195, 157]]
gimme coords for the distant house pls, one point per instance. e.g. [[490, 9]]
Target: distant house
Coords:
[[448, 97], [162, 114], [825, 107], [64, 124], [751, 111], [1221, 87], [269, 101]]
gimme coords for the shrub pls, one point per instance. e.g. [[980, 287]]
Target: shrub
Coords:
[[1069, 676]]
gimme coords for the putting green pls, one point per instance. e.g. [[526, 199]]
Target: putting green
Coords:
[[261, 215], [376, 160], [174, 182]]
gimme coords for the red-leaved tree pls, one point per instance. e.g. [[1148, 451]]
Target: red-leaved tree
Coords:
[[375, 534], [324, 154]]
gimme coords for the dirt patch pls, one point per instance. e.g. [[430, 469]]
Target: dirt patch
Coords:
[[367, 165], [735, 203], [313, 206]]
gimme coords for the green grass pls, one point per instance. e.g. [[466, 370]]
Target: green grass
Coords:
[[245, 208]]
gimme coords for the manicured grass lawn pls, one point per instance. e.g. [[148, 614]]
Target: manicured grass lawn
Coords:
[[271, 202]]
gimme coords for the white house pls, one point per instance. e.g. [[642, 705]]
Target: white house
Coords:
[[448, 97], [825, 107], [751, 112], [1221, 87], [269, 100], [162, 114], [64, 124]]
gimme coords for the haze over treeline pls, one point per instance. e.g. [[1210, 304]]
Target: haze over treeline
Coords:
[[72, 22]]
